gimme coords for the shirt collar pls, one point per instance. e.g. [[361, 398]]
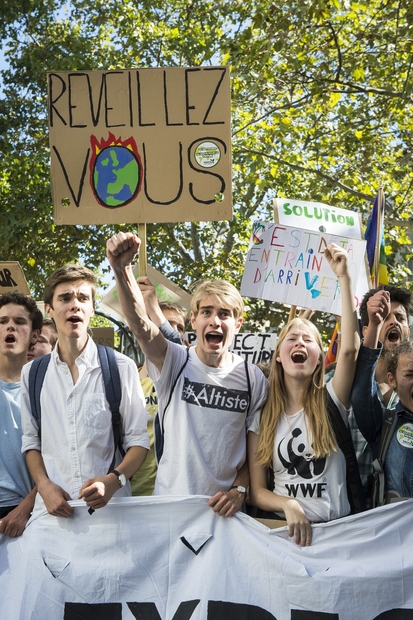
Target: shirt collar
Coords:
[[402, 411], [89, 355]]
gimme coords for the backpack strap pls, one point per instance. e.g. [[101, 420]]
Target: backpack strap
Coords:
[[389, 426], [36, 377], [345, 443], [113, 391], [248, 384], [159, 428]]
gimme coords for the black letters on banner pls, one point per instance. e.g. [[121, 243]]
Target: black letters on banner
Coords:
[[94, 611], [217, 610], [396, 614], [221, 610], [148, 611], [81, 103], [299, 614]]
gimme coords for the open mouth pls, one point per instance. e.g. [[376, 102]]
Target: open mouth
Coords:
[[214, 338], [393, 336], [10, 339], [299, 357], [74, 319]]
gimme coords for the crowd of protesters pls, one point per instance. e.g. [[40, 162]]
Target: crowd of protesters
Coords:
[[201, 420]]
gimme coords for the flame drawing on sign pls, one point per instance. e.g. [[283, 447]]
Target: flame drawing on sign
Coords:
[[115, 171]]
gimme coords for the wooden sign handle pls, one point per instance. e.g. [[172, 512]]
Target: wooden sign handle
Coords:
[[142, 252], [291, 315]]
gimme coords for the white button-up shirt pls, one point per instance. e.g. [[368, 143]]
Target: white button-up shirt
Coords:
[[77, 440]]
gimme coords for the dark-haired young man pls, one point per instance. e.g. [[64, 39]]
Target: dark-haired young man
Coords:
[[20, 324], [384, 313], [73, 457]]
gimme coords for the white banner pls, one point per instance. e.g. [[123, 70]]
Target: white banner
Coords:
[[175, 559], [288, 265]]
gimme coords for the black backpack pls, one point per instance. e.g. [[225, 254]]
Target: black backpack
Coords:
[[342, 432]]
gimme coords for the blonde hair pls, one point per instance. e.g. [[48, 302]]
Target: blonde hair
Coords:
[[323, 437], [171, 305], [227, 294]]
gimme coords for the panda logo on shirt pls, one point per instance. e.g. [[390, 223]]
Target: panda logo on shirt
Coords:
[[297, 460]]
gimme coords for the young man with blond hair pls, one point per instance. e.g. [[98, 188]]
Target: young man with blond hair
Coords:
[[71, 457], [206, 394]]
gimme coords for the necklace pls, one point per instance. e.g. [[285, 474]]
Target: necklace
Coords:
[[287, 417]]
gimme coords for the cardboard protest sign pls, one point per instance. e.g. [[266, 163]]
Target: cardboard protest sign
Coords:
[[317, 216], [140, 145], [104, 335], [287, 265], [255, 348], [12, 278], [325, 219], [165, 290]]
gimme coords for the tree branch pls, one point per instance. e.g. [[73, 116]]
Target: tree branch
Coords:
[[181, 248], [325, 176], [361, 89], [195, 242], [340, 58], [408, 74], [288, 106]]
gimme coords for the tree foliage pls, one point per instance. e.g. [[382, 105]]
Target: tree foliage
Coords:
[[322, 110]]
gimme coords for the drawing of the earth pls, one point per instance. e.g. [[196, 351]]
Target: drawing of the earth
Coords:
[[116, 176]]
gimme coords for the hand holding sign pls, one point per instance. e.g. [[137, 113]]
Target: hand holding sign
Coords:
[[337, 258]]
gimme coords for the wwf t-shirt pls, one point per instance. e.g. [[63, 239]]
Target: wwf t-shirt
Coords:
[[205, 423], [319, 485]]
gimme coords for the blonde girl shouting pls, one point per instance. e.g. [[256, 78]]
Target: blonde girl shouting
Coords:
[[295, 436]]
